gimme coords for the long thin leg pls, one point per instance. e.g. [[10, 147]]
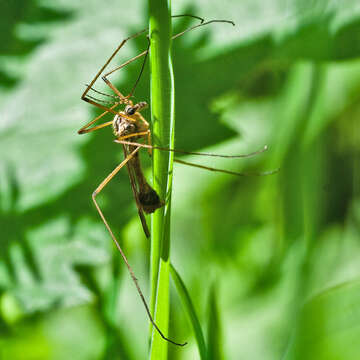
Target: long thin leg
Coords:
[[116, 91], [106, 111], [122, 141], [271, 172], [85, 129], [100, 106], [127, 62], [142, 133], [189, 15], [144, 61], [150, 147], [141, 71], [96, 127], [106, 102], [108, 61], [202, 24], [146, 51], [125, 99], [133, 277]]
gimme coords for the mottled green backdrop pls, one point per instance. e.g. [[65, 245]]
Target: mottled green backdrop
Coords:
[[272, 264]]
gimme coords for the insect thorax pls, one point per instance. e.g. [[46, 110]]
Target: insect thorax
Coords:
[[122, 126]]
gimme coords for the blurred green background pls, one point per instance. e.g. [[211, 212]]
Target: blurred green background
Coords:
[[272, 263]]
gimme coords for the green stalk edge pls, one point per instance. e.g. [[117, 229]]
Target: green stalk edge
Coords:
[[162, 120]]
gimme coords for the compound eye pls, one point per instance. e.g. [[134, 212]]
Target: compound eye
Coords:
[[130, 110]]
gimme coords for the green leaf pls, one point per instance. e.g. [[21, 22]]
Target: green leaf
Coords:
[[214, 331], [190, 311]]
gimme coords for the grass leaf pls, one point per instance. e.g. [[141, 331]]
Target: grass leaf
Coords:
[[215, 347], [190, 311]]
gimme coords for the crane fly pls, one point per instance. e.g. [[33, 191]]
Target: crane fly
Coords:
[[130, 129]]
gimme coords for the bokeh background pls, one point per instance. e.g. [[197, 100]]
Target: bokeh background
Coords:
[[271, 263]]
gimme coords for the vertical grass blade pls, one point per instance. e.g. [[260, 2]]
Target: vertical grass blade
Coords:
[[190, 311], [162, 116], [214, 333]]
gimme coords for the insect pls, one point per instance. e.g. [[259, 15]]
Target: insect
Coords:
[[130, 128]]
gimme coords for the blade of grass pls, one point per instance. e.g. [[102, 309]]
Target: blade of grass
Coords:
[[214, 333], [162, 116], [190, 311]]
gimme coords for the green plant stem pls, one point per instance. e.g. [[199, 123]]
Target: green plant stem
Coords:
[[162, 116]]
